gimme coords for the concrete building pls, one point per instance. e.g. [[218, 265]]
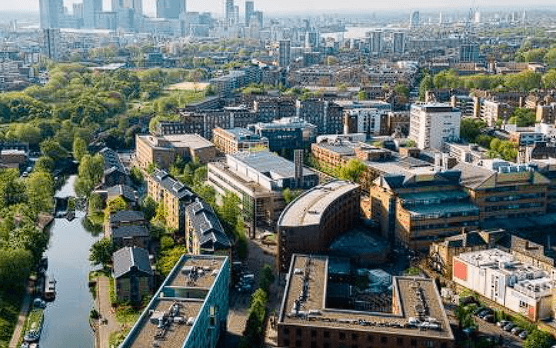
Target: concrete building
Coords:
[[270, 109], [417, 207], [493, 111], [170, 9], [133, 275], [91, 10], [315, 311], [234, 140], [315, 219], [326, 115], [504, 190], [367, 117], [546, 113], [204, 233], [287, 133], [249, 11], [174, 195], [399, 42], [163, 150], [50, 13], [50, 42], [432, 124], [189, 310], [258, 179], [284, 53], [500, 277]]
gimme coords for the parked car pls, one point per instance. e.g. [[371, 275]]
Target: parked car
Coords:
[[479, 310], [508, 327], [502, 323], [523, 334], [484, 313], [516, 330], [489, 318]]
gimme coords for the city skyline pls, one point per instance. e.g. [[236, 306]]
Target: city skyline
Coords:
[[291, 6]]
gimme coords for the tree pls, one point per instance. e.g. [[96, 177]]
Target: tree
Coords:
[[352, 170], [362, 95], [148, 207], [53, 149], [95, 203], [538, 339], [229, 210], [161, 214], [290, 195], [91, 170], [136, 176], [464, 314], [523, 117], [426, 84], [15, 265], [470, 128], [40, 191], [168, 259], [166, 243], [402, 90], [12, 189], [101, 252], [115, 205], [266, 277], [45, 164], [79, 148]]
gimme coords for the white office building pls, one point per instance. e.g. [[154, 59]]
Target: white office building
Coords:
[[502, 278], [432, 124]]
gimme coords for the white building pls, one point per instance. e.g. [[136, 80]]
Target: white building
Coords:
[[431, 124], [502, 278], [367, 114]]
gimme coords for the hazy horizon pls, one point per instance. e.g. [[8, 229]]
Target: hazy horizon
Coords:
[[305, 7]]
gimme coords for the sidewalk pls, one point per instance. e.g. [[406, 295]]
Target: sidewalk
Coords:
[[25, 306], [108, 322]]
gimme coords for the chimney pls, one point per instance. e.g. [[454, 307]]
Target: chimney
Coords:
[[298, 162]]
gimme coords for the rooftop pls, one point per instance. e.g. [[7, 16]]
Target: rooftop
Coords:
[[172, 185], [178, 302], [308, 208], [269, 164], [207, 226], [126, 259], [191, 141], [305, 299]]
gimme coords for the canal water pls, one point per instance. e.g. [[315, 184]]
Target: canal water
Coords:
[[66, 321]]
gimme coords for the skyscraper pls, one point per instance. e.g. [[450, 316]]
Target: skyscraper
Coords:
[[228, 10], [376, 41], [170, 9], [284, 54], [136, 5], [50, 13], [414, 20], [399, 42], [49, 41], [91, 8], [249, 10]]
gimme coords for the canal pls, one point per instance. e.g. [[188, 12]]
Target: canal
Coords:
[[66, 321]]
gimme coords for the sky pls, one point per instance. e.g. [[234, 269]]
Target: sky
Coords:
[[292, 6]]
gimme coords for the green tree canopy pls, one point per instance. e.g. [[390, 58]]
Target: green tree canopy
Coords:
[[352, 170], [79, 148]]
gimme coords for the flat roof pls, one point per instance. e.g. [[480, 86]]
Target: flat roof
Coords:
[[308, 208], [193, 141], [270, 164], [417, 298], [185, 289]]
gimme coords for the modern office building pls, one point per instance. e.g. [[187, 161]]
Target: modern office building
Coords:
[[249, 11], [414, 20], [189, 310], [284, 54], [286, 134], [432, 124], [399, 42], [163, 150], [313, 220], [170, 9], [258, 179], [50, 42], [174, 195], [316, 311], [415, 208], [367, 117], [505, 190], [376, 41], [499, 276], [51, 12], [91, 10], [234, 140]]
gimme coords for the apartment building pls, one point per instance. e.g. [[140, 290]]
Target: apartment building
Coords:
[[269, 109], [133, 275], [174, 195], [234, 140], [190, 309], [416, 207], [492, 111], [502, 278], [326, 115], [367, 116], [504, 190], [312, 222], [204, 233], [286, 133], [163, 150], [315, 311], [546, 113], [432, 124], [258, 179]]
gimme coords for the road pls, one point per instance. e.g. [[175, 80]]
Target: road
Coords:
[[25, 306], [108, 323]]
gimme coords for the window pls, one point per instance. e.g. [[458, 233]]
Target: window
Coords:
[[313, 333], [370, 338], [326, 334], [313, 344], [342, 335], [298, 332], [413, 342], [384, 339], [286, 331], [326, 345], [287, 343], [298, 343], [400, 341], [354, 337]]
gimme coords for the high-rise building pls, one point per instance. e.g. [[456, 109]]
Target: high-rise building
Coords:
[[91, 8], [50, 13], [228, 10], [49, 41], [249, 11], [136, 5], [312, 39], [399, 42], [170, 9], [78, 10], [284, 54], [414, 20], [376, 41], [258, 15], [432, 124]]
